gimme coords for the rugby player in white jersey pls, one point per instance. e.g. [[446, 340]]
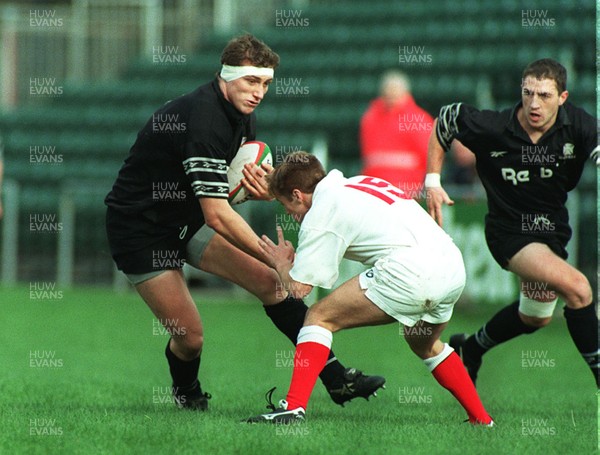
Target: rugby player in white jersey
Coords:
[[416, 275]]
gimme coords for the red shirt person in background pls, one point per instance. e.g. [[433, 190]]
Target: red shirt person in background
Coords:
[[394, 132]]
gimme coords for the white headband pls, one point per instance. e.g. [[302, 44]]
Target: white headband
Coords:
[[230, 73]]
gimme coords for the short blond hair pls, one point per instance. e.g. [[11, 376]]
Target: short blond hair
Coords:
[[299, 170]]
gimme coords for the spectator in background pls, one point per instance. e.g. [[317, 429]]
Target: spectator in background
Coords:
[[394, 132]]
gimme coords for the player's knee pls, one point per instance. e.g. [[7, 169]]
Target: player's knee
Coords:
[[580, 293], [189, 344], [266, 286], [423, 352], [317, 315], [313, 315], [423, 347]]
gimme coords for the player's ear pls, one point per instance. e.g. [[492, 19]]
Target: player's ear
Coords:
[[563, 97], [297, 194]]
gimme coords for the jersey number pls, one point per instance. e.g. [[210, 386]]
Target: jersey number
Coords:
[[380, 189]]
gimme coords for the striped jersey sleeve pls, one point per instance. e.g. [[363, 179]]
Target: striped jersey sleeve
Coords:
[[447, 126], [208, 176]]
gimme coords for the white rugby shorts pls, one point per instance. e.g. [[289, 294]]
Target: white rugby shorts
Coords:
[[413, 284]]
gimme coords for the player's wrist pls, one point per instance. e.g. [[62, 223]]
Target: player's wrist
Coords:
[[433, 180]]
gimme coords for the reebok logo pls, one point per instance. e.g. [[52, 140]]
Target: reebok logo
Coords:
[[498, 154]]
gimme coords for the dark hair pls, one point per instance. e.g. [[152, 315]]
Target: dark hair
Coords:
[[299, 170], [548, 68], [249, 48]]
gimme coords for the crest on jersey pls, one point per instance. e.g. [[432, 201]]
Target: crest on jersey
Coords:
[[568, 151]]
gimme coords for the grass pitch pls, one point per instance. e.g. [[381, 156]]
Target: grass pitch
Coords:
[[84, 372]]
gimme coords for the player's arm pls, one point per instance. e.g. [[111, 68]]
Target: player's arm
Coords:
[[206, 167], [436, 195], [587, 131], [219, 216], [444, 131], [280, 256]]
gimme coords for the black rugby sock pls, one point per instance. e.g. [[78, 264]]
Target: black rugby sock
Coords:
[[184, 373], [288, 316], [583, 327], [504, 325]]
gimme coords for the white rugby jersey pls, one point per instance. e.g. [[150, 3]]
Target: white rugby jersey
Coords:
[[362, 219]]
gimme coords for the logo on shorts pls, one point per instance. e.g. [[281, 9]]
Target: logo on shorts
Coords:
[[537, 222], [182, 232]]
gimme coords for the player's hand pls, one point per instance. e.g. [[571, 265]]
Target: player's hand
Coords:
[[254, 181], [436, 197], [280, 256]]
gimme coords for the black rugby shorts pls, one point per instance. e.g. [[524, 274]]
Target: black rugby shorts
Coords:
[[504, 244], [138, 245]]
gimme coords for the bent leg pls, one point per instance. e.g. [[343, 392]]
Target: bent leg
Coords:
[[286, 313], [168, 298], [224, 260], [536, 262], [543, 274], [536, 303], [531, 312], [446, 367], [424, 338], [345, 307]]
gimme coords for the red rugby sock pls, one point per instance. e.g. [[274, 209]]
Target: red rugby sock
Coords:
[[312, 350], [452, 375]]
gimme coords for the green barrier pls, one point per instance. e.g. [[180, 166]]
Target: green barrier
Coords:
[[487, 282]]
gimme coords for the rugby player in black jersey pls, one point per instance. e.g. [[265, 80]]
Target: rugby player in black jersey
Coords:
[[169, 206], [528, 158]]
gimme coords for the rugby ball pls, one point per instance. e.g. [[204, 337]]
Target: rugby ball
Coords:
[[250, 152]]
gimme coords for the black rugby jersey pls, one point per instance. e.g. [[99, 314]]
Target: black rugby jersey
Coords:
[[526, 183], [182, 154]]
